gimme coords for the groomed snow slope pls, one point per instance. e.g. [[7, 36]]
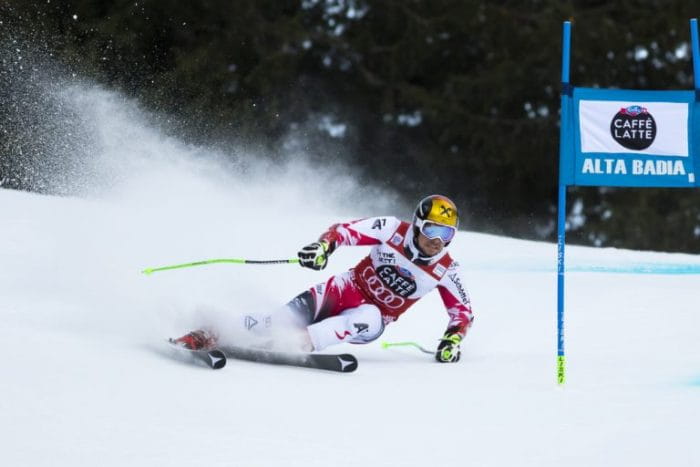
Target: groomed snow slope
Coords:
[[86, 380]]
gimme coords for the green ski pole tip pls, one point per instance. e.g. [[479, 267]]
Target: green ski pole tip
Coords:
[[147, 271]]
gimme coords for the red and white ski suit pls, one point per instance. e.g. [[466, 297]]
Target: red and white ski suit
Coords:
[[354, 306]]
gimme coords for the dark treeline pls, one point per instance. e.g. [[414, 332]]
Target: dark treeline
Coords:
[[456, 97]]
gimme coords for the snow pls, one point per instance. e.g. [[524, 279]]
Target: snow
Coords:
[[87, 378]]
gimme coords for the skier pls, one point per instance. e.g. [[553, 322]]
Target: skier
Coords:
[[407, 260]]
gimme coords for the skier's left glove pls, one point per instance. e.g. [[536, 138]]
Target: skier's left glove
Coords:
[[448, 349], [315, 255]]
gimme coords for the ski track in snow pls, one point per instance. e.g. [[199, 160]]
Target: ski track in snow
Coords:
[[88, 380]]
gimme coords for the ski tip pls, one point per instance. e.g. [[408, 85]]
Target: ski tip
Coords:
[[214, 358]]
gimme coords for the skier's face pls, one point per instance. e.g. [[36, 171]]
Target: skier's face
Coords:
[[430, 247]]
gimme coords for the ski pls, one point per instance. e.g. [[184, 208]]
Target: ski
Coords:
[[343, 363], [213, 358]]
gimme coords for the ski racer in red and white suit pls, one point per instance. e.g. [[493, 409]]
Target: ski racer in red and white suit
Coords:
[[356, 305]]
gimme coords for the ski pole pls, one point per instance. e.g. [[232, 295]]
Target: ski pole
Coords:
[[386, 345], [221, 260]]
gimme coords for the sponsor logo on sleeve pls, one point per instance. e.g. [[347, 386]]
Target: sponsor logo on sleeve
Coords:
[[379, 223], [460, 289]]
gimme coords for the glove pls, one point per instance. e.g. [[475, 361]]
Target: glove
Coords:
[[314, 255], [448, 349]]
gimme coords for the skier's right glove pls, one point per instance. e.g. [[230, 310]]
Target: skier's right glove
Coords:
[[448, 349], [314, 256]]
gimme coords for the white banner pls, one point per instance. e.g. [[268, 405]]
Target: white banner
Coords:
[[654, 128]]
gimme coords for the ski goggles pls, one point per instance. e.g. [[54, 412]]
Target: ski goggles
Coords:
[[432, 230]]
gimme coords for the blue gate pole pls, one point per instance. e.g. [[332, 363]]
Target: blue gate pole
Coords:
[[696, 55], [564, 149]]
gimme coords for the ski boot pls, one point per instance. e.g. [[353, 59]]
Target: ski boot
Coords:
[[196, 340]]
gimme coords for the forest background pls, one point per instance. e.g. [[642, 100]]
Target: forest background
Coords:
[[419, 96]]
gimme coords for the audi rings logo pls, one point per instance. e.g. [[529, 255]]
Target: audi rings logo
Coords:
[[380, 292]]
